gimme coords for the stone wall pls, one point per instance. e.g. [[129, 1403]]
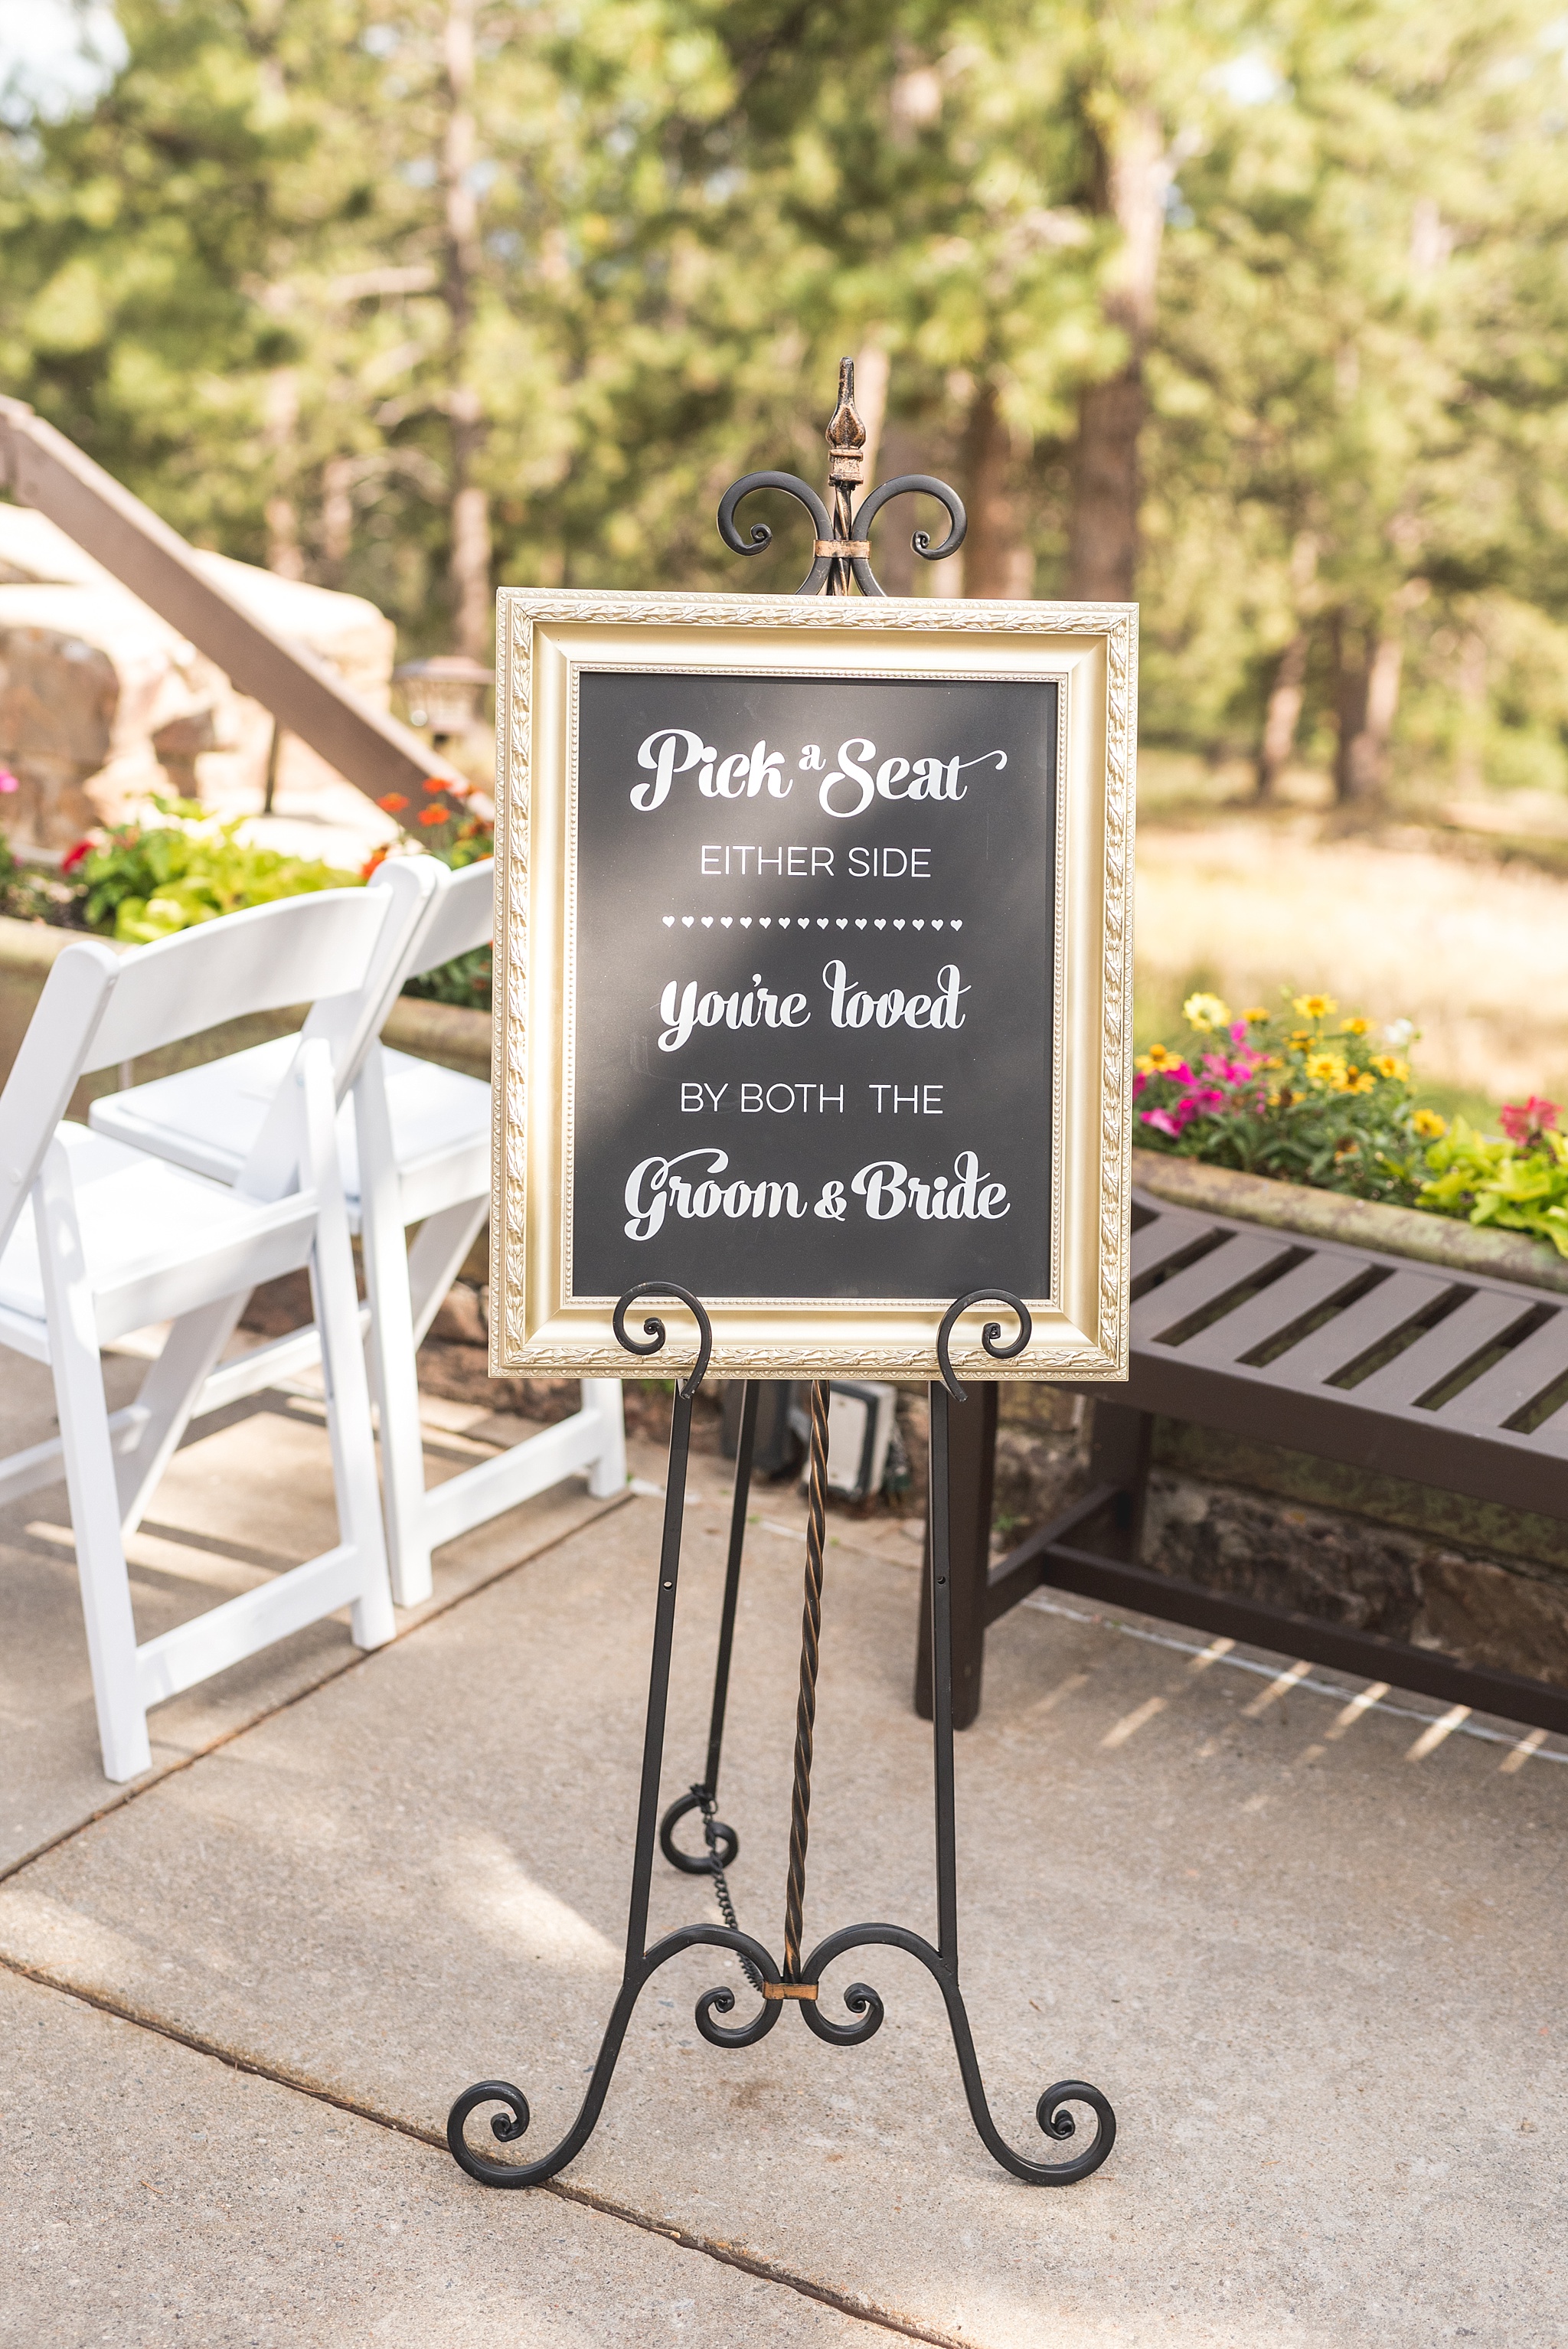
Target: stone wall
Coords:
[[1374, 1577]]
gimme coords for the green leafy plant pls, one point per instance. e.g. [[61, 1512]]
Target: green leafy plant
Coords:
[[20, 895], [1299, 1094], [142, 882], [440, 821], [1517, 1180], [465, 980]]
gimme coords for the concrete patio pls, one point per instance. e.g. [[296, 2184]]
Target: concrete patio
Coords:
[[1311, 1948]]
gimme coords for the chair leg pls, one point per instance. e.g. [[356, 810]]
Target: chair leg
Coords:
[[385, 1246], [436, 1258], [169, 1396], [603, 1398], [346, 1390], [90, 1476]]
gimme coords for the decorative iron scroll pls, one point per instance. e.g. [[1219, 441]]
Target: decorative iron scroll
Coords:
[[842, 545]]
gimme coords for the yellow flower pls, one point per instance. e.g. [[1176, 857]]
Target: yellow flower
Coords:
[[1389, 1064], [1205, 1013], [1430, 1126], [1158, 1056], [1254, 1014], [1326, 1068], [1359, 1081], [1301, 1039], [1314, 1007], [1356, 1027]]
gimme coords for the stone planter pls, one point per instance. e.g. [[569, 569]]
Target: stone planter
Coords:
[[1325, 1215], [1481, 1582], [430, 1032]]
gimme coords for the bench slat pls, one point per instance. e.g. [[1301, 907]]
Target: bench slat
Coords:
[[1372, 1318], [1239, 1258], [1479, 1322], [1551, 1435], [1156, 1242], [1510, 1384], [1300, 1290]]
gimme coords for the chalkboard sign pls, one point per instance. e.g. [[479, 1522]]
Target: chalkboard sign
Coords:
[[811, 975]]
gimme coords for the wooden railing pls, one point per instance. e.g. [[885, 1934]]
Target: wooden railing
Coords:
[[41, 468]]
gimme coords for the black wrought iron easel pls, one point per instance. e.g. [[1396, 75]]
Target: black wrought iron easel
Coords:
[[843, 554]]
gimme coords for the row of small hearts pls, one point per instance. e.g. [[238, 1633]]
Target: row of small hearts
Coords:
[[801, 921]]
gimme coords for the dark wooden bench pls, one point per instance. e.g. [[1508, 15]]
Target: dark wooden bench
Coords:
[[1458, 1382]]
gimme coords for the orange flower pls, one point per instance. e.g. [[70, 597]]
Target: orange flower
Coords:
[[378, 856], [433, 783], [434, 814], [394, 802]]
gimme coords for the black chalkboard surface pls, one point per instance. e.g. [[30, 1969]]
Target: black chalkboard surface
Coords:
[[811, 979]]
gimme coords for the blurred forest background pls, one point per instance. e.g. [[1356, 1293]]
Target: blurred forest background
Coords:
[[1256, 310]]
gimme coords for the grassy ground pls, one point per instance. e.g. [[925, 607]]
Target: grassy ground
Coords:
[[1463, 930]]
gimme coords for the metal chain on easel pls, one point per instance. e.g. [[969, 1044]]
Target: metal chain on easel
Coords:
[[716, 1868]]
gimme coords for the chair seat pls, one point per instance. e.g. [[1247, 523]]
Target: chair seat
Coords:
[[207, 1119], [154, 1234]]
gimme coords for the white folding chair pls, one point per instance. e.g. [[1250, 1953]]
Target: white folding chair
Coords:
[[99, 1238], [415, 1149]]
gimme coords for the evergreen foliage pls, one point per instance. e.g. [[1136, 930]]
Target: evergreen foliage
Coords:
[[1256, 307]]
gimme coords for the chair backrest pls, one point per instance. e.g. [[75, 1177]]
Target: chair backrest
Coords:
[[53, 1052], [292, 951], [351, 1023], [459, 917], [99, 1008]]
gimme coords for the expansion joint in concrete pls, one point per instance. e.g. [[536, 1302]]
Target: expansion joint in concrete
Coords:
[[707, 2247]]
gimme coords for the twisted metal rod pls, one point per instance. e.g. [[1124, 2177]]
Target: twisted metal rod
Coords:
[[806, 1708]]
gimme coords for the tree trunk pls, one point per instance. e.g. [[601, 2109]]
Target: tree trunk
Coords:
[[871, 372], [1284, 714], [893, 556], [284, 553], [469, 559], [997, 561], [1470, 765], [336, 516], [1367, 698], [1350, 666], [1102, 533]]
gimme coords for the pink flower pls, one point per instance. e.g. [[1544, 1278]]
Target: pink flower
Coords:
[[8, 782], [1161, 1120], [1138, 1081], [1535, 1117], [1238, 1032]]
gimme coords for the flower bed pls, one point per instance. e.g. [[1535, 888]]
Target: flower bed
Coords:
[[144, 880], [1307, 1098]]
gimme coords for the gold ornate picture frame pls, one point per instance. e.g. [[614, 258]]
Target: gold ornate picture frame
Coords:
[[548, 642]]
